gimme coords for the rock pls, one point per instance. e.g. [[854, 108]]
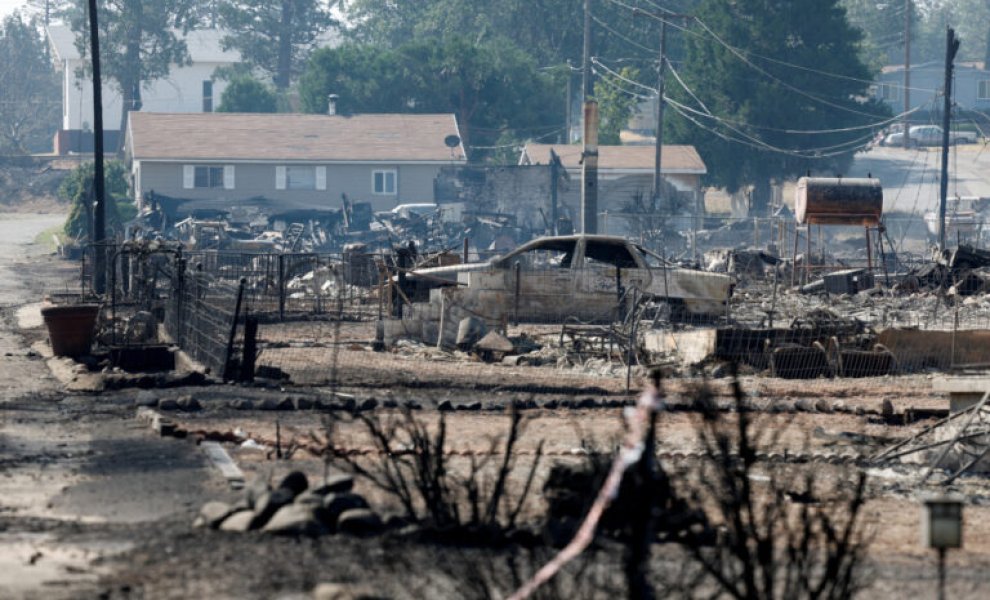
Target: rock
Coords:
[[587, 403], [285, 404], [445, 406], [341, 591], [495, 342], [397, 522], [268, 404], [887, 409], [212, 514], [295, 482], [255, 491], [368, 404], [268, 504], [168, 404], [309, 498], [390, 403], [295, 519], [359, 521], [337, 504], [242, 404], [805, 405], [239, 521], [824, 406], [470, 330], [188, 403], [551, 404], [335, 484], [302, 403], [469, 406], [146, 398]]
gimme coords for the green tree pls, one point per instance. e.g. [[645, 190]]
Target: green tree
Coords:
[[276, 36], [77, 188], [739, 68], [247, 95], [139, 42], [492, 87], [615, 104], [29, 88]]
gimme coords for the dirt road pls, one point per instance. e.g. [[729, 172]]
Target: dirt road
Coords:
[[78, 480]]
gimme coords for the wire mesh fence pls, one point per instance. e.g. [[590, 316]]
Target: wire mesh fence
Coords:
[[369, 319]]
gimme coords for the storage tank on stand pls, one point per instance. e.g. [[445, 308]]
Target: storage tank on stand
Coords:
[[838, 201]]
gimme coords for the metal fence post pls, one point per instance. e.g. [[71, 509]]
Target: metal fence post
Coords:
[[281, 287], [180, 292], [228, 355]]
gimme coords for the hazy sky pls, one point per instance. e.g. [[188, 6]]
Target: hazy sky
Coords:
[[8, 6]]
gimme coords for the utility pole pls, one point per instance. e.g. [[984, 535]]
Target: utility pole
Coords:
[[663, 17], [589, 169], [586, 60], [907, 72], [951, 48], [99, 206], [567, 108]]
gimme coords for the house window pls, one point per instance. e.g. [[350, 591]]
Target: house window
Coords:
[[301, 177], [208, 177], [207, 96], [983, 90], [383, 182]]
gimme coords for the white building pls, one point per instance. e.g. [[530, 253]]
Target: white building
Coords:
[[186, 89]]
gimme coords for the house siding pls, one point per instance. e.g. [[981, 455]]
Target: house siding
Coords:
[[415, 184], [926, 81]]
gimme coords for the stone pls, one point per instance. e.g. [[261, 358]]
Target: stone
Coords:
[[302, 403], [469, 406], [470, 330], [239, 521], [309, 498], [587, 403], [390, 403], [168, 404], [188, 403], [495, 342], [342, 591], [242, 404], [337, 504], [212, 514], [335, 484], [295, 519], [368, 404], [295, 482], [268, 404], [551, 404], [805, 405], [445, 406], [824, 406], [268, 504], [285, 404], [255, 491], [146, 398], [359, 521]]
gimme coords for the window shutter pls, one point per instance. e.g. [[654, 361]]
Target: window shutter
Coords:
[[188, 177], [321, 178], [279, 178], [228, 177]]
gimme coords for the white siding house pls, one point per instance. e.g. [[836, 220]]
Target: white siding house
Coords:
[[187, 89]]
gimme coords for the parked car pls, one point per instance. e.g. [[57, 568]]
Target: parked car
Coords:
[[929, 135], [583, 277]]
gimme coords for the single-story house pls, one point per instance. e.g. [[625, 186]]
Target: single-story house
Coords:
[[970, 86], [292, 161]]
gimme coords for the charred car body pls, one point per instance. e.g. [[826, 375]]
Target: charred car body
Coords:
[[583, 277]]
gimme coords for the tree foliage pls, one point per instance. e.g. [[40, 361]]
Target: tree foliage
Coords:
[[77, 188], [29, 88], [276, 36], [491, 86], [756, 97], [615, 106], [139, 42], [246, 95]]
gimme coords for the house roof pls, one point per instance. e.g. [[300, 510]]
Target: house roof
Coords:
[[293, 137], [935, 66], [674, 159], [204, 45]]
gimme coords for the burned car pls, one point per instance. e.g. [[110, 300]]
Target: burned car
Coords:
[[583, 277]]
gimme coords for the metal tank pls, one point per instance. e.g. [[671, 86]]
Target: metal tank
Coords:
[[838, 201]]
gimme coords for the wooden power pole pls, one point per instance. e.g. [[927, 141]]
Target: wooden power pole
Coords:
[[99, 202], [951, 48], [907, 73]]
